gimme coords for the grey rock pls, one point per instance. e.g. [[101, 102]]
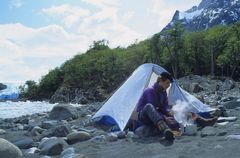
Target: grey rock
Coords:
[[130, 134], [52, 146], [195, 88], [228, 84], [61, 131], [87, 130], [190, 130], [7, 125], [68, 153], [221, 132], [78, 137], [63, 112], [9, 120], [232, 104], [99, 132], [36, 131], [121, 134], [24, 143], [99, 139], [33, 123], [50, 124], [23, 120], [227, 99], [32, 150], [111, 137], [9, 150], [20, 127], [2, 132]]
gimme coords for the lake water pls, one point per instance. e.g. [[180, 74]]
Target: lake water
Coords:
[[11, 109]]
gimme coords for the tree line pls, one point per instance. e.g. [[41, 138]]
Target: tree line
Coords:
[[214, 52]]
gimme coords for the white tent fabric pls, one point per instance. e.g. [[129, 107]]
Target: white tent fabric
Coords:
[[122, 103]]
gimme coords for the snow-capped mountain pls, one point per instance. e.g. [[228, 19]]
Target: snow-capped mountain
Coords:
[[208, 14]]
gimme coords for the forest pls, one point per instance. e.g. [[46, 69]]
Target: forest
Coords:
[[214, 52]]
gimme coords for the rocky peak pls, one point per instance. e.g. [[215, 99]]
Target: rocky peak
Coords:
[[208, 14], [175, 16]]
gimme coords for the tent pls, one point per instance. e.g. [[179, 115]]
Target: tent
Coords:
[[118, 109]]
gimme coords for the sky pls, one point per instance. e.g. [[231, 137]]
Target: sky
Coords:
[[37, 36]]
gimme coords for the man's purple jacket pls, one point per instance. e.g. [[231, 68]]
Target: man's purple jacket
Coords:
[[156, 97]]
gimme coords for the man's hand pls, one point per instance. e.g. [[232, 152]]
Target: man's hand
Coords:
[[170, 113]]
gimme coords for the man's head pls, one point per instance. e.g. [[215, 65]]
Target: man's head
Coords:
[[164, 80]]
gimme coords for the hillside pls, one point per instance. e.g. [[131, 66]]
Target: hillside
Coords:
[[96, 73]]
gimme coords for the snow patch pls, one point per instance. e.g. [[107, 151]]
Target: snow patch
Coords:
[[189, 16], [214, 14], [223, 22], [217, 11], [234, 2]]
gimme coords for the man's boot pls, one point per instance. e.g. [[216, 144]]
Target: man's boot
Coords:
[[203, 122], [168, 134]]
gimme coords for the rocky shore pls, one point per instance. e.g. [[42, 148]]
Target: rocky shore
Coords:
[[68, 132]]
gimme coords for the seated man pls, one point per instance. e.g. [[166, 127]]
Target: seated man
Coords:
[[153, 108]]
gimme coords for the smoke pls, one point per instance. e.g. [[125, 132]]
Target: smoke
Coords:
[[182, 113]]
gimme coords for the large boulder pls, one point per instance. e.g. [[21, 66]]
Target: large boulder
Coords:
[[9, 150], [63, 112], [228, 84], [195, 88]]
